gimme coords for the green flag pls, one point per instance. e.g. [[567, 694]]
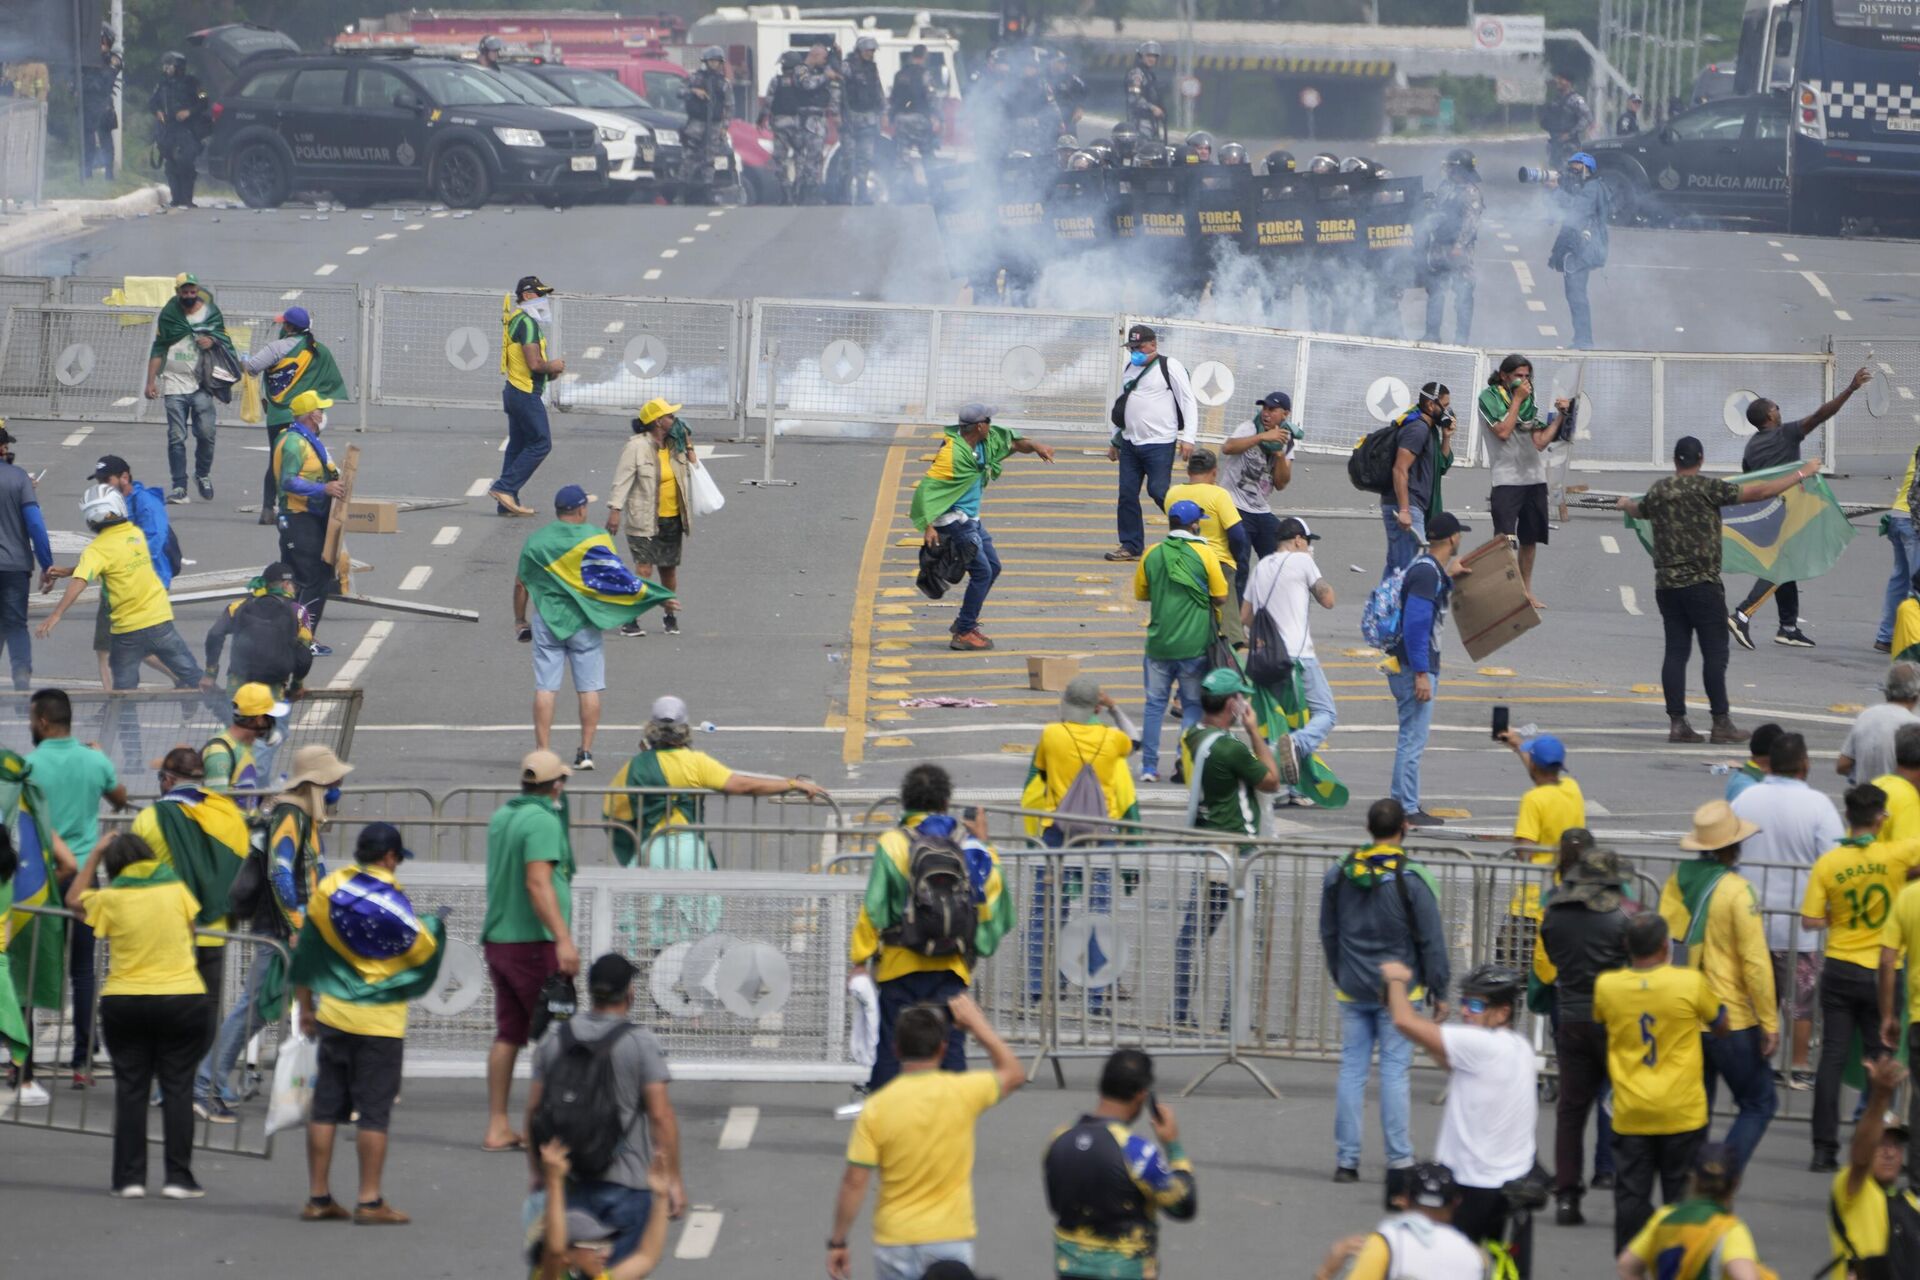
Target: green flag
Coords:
[[36, 943], [1284, 714], [576, 579], [1789, 538]]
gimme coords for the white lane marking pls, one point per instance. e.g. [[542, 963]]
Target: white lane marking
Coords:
[[414, 226], [716, 213], [593, 353], [387, 235], [1548, 331], [1819, 285], [77, 437], [1838, 314], [686, 239], [480, 486], [1773, 244], [1524, 274], [703, 226], [737, 1132], [416, 577], [327, 268], [1534, 304], [356, 251], [1510, 248], [1903, 393], [1790, 257], [615, 326], [652, 273], [441, 214], [448, 535], [697, 1238], [1608, 545], [669, 253], [289, 295], [350, 669], [1628, 602]]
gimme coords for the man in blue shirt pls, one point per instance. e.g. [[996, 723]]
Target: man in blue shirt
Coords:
[[23, 540], [147, 508], [1415, 676]]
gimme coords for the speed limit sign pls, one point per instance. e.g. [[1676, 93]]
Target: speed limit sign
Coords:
[[1310, 97]]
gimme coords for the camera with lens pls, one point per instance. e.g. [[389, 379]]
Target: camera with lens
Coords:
[[1533, 174]]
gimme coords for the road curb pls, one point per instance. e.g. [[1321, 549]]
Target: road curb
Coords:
[[69, 217]]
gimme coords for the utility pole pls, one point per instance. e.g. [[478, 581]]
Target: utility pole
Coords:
[[119, 86]]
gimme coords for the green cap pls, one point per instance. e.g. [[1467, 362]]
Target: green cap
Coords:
[[1224, 680]]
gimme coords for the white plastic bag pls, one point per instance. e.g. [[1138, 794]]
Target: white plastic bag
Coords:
[[293, 1073], [863, 1043], [706, 497]]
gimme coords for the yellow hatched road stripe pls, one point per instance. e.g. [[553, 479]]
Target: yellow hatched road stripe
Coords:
[[853, 745]]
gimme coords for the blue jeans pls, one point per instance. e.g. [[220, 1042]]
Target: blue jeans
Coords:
[[1736, 1058], [983, 569], [235, 1030], [911, 1261], [936, 986], [1321, 718], [1161, 673], [1152, 463], [1579, 308], [1218, 896], [1403, 544], [624, 1209], [1362, 1026], [529, 440], [163, 641], [196, 413], [1416, 719], [1906, 559], [1263, 531], [15, 638]]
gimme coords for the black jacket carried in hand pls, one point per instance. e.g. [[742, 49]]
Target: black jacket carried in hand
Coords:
[[942, 565]]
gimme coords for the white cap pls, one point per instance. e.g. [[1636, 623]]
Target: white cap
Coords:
[[671, 708]]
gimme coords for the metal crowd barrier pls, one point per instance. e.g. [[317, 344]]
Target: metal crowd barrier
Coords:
[[23, 150], [1881, 441], [90, 1110], [75, 362]]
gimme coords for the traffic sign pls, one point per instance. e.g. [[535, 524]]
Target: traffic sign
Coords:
[[1189, 86], [1310, 97], [1386, 397], [1510, 33]]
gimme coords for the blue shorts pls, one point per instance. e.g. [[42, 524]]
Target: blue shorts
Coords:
[[583, 653]]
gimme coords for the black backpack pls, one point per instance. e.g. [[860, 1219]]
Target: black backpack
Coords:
[[578, 1104], [251, 904], [1901, 1261], [266, 641], [1370, 466], [1269, 665], [940, 916]]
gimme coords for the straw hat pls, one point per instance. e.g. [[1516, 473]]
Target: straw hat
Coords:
[[1715, 826]]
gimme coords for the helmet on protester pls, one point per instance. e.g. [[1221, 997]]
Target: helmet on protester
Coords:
[[713, 53], [1279, 161], [1496, 984], [102, 503], [1233, 153]]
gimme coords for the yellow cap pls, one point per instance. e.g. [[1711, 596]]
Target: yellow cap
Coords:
[[307, 401], [257, 700], [653, 410]]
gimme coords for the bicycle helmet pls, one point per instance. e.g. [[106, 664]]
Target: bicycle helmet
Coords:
[[102, 503], [1496, 984]]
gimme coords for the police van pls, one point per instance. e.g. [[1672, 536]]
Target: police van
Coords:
[[1721, 159], [366, 125]]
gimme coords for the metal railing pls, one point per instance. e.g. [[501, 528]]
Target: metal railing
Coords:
[[23, 150]]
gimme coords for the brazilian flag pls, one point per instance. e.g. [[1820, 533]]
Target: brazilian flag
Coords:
[[363, 943], [1790, 538], [207, 838], [36, 944], [1282, 711], [577, 579]]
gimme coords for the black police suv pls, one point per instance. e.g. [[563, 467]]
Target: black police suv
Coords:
[[369, 125], [1721, 159]]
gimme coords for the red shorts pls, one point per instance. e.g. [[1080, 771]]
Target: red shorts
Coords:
[[518, 970]]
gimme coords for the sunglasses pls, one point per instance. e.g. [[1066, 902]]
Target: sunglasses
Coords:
[[1474, 1004]]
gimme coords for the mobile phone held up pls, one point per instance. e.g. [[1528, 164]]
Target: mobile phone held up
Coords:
[[1500, 723]]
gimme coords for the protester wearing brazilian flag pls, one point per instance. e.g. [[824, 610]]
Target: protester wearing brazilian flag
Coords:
[[946, 508], [364, 953], [294, 363], [579, 587], [1698, 1237]]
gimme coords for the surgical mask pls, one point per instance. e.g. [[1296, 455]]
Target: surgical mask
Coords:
[[320, 424], [540, 309], [1136, 358], [332, 796]]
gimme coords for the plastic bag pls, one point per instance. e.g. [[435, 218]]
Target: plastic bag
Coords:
[[293, 1074], [706, 496], [863, 1042], [251, 411]]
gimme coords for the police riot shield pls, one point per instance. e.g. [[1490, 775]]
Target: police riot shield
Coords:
[[1336, 280], [1078, 218], [1389, 212], [1218, 194], [963, 211], [1020, 231], [1161, 222]]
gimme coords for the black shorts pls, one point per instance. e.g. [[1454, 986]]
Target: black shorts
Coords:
[[1520, 511], [357, 1073]]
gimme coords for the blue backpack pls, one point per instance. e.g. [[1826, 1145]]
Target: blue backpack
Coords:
[[1380, 618]]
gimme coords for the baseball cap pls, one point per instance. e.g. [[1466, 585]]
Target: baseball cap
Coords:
[[1445, 525], [1895, 1128], [185, 278], [542, 766], [584, 1228], [1141, 333], [570, 498], [668, 707], [5, 436], [971, 414], [1224, 680], [1277, 400], [1295, 527], [296, 318], [1688, 451], [654, 410], [380, 839], [257, 699], [1184, 512], [111, 464], [278, 571], [307, 401], [1716, 1169], [534, 283], [1546, 750], [1431, 1186], [611, 975], [1202, 461]]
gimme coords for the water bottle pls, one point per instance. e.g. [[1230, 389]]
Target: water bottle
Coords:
[[1719, 770]]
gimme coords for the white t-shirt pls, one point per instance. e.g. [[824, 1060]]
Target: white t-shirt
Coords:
[[1869, 742], [1487, 1129], [178, 369], [1248, 476], [1282, 584]]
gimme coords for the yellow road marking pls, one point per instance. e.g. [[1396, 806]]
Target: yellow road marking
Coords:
[[853, 743]]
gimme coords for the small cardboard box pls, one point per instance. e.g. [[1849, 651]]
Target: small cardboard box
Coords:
[[1051, 675], [373, 515], [1490, 602]]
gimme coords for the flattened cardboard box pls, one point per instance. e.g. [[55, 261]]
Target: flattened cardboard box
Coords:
[[1490, 605]]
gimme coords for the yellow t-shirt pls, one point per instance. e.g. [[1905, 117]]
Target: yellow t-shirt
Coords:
[[1852, 887], [1906, 628], [1865, 1216], [1545, 812], [917, 1131], [1903, 805], [1221, 515], [1906, 483], [669, 486], [149, 933], [1902, 934], [146, 825], [1063, 748], [1733, 953], [119, 561], [365, 1019], [694, 770], [1655, 1239], [1654, 1019]]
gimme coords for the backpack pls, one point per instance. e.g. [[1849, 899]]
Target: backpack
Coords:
[[1118, 414], [176, 559], [251, 903], [266, 642], [578, 1104], [1902, 1258], [1380, 618], [1268, 662], [1370, 465], [1084, 799], [940, 915]]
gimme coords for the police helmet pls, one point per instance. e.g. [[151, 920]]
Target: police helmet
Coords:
[[1201, 140], [1081, 160], [1100, 149], [1148, 49], [1066, 142], [1125, 141], [173, 58], [1280, 161], [1324, 163], [865, 44], [1165, 156], [1357, 165], [792, 58], [1233, 153], [713, 53], [492, 44], [1495, 984], [1460, 158]]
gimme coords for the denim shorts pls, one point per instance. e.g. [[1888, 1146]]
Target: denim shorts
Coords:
[[582, 652]]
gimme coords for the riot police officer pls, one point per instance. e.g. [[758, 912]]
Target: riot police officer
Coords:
[[1199, 147], [179, 106], [911, 102], [1580, 248], [1146, 104], [864, 105], [1031, 116], [1279, 161], [1233, 153], [1452, 231], [1125, 142], [1567, 119], [1329, 272], [96, 95], [709, 107], [781, 114], [1069, 91]]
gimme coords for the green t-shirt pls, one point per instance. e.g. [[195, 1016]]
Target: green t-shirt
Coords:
[[1229, 800], [68, 778], [1181, 578], [525, 829]]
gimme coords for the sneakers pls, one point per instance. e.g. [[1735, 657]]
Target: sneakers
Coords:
[[1120, 555], [1800, 1080], [1344, 1174], [1421, 818], [671, 624], [205, 485], [583, 759], [177, 496], [1742, 631], [33, 1094], [82, 1080], [1678, 730], [1725, 730], [1284, 757], [320, 650], [214, 1111], [328, 1210], [632, 630], [132, 1191], [1149, 776], [970, 642], [379, 1214], [188, 1190], [1794, 638], [1566, 1211]]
